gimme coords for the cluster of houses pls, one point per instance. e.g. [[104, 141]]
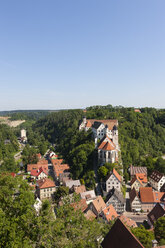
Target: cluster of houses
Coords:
[[145, 194]]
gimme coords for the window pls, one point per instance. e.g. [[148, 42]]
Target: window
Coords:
[[51, 189]]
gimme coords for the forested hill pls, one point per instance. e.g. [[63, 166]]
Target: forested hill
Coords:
[[141, 135]]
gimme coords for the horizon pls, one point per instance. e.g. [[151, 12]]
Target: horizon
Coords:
[[69, 55]]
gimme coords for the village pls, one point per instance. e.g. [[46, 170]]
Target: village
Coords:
[[143, 201]]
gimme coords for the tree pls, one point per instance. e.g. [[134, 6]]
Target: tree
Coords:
[[102, 172], [144, 236], [159, 229]]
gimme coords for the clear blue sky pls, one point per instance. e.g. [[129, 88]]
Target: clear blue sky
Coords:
[[76, 53]]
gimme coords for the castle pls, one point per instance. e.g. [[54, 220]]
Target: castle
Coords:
[[105, 133]]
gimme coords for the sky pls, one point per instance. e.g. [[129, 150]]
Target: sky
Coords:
[[57, 54]]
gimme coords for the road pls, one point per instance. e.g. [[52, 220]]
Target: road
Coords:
[[137, 218]]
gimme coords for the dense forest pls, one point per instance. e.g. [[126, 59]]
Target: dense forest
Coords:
[[141, 137]]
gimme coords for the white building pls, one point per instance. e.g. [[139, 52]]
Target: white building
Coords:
[[113, 181], [157, 180]]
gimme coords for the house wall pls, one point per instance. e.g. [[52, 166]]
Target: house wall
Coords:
[[113, 182], [147, 207], [136, 185], [118, 206], [46, 193], [136, 204]]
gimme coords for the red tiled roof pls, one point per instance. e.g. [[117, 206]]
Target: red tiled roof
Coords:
[[90, 215], [60, 168], [158, 196], [127, 221], [79, 189], [45, 183], [31, 167], [109, 123], [37, 172], [99, 204], [110, 213], [141, 177], [107, 145], [146, 195], [116, 174], [81, 205]]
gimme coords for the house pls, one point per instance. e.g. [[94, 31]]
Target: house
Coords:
[[107, 151], [89, 196], [120, 236], [90, 215], [80, 205], [139, 180], [39, 173], [31, 167], [97, 205], [116, 199], [147, 199], [136, 170], [157, 180], [155, 214], [71, 183], [127, 221], [109, 213], [59, 169], [78, 189], [45, 188], [113, 181], [135, 202], [101, 128]]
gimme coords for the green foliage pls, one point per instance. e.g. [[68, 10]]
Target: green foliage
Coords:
[[144, 236], [8, 142], [159, 229], [29, 155], [61, 191], [102, 173], [21, 227], [9, 164]]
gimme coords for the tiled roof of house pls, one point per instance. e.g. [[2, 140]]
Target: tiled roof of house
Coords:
[[127, 221], [120, 237], [56, 161], [116, 174], [132, 194], [140, 177], [156, 176], [99, 204], [37, 172], [90, 215], [137, 169], [159, 196], [79, 189], [109, 123], [146, 195], [42, 161], [109, 213], [156, 213], [45, 183], [31, 167], [60, 168], [81, 205], [107, 144]]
